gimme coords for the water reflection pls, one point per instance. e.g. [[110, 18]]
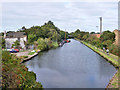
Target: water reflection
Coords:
[[74, 65]]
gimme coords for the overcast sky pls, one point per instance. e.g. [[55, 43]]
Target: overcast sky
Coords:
[[65, 15]]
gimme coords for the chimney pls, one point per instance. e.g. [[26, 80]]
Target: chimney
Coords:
[[4, 34]]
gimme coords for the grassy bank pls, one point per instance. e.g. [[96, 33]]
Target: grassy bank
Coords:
[[114, 82], [110, 58]]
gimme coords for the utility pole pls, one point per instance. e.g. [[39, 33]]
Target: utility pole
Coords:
[[100, 25]]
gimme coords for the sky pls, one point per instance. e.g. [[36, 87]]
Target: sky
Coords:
[[66, 15]]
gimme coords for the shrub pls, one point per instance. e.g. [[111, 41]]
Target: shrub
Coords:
[[42, 45], [16, 75], [55, 44], [114, 49]]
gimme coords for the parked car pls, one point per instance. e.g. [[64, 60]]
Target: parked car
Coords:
[[13, 51], [16, 50], [8, 49]]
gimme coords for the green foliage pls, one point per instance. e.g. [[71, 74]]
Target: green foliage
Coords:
[[45, 44], [42, 44], [23, 28], [31, 38], [48, 30], [114, 49], [107, 35], [106, 40], [25, 56], [62, 34], [85, 37], [49, 43], [3, 42], [55, 44], [77, 31], [92, 33], [80, 34], [31, 53], [16, 44], [16, 75], [56, 37]]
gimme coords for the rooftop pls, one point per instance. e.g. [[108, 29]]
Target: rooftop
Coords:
[[16, 35]]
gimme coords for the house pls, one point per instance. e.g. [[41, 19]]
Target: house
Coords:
[[11, 37], [117, 37]]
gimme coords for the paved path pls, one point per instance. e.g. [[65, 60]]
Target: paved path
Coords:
[[22, 53]]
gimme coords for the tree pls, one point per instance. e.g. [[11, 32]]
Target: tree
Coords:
[[92, 33], [62, 34], [77, 31], [16, 44], [85, 37], [56, 37], [42, 45], [48, 30], [31, 38], [23, 28], [107, 35]]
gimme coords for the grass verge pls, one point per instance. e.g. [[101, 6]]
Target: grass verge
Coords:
[[107, 57]]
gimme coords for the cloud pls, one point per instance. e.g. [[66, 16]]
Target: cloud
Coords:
[[59, 0], [65, 15]]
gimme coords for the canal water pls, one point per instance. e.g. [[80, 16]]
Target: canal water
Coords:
[[72, 66]]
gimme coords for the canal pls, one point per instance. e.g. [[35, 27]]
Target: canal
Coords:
[[72, 66]]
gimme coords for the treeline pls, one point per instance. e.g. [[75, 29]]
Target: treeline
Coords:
[[16, 75], [44, 37], [48, 30], [106, 40]]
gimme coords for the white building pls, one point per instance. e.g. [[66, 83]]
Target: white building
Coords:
[[13, 36]]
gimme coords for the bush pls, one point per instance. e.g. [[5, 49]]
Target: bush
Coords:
[[42, 44], [45, 44], [16, 75], [114, 49], [55, 44]]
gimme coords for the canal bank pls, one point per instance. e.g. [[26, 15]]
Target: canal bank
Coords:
[[113, 83], [30, 56], [107, 57]]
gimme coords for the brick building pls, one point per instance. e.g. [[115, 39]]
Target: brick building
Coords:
[[117, 37]]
